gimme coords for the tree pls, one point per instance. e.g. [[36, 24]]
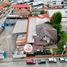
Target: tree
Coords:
[[56, 23], [56, 18], [61, 35]]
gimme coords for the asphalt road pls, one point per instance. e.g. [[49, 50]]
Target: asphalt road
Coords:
[[23, 64]]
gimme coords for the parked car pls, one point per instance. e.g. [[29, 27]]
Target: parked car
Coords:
[[41, 61], [18, 54], [52, 60], [62, 59], [30, 61]]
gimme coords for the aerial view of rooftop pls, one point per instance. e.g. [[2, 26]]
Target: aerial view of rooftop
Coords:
[[33, 33]]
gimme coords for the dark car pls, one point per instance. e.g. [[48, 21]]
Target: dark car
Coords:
[[61, 59], [41, 61], [30, 61]]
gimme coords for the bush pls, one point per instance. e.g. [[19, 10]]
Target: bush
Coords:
[[35, 14], [30, 14], [39, 53], [42, 12], [47, 52], [30, 55]]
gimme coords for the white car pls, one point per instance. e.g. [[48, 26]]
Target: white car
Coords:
[[52, 60]]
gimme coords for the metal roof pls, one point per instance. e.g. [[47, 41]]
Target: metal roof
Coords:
[[20, 26], [32, 27]]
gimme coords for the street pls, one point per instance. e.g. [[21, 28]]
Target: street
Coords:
[[23, 64]]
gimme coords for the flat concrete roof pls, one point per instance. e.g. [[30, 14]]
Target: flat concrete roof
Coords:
[[21, 26], [63, 12], [32, 27], [64, 19]]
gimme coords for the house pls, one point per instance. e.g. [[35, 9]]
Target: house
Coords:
[[45, 34], [5, 3], [32, 27], [21, 6], [21, 32], [23, 12], [40, 33]]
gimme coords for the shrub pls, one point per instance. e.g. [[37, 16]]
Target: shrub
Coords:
[[42, 12], [30, 14], [47, 52]]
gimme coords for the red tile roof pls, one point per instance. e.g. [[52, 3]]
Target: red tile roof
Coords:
[[43, 16], [1, 7], [20, 5], [6, 2]]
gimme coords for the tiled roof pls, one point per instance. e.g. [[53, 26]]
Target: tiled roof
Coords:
[[1, 7], [20, 5]]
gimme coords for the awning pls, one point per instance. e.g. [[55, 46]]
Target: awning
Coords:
[[20, 5]]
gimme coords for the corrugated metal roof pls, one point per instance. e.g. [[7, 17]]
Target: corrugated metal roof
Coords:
[[32, 28], [20, 26]]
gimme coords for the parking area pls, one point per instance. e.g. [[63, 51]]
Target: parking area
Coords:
[[23, 64]]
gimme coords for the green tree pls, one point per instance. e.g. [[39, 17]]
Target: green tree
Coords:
[[56, 23], [61, 36]]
